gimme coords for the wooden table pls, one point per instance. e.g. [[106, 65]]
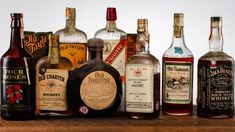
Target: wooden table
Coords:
[[119, 123]]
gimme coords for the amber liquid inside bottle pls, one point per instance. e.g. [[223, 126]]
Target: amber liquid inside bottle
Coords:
[[175, 108], [17, 77]]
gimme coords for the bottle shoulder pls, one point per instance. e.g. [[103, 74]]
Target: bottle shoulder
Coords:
[[17, 53], [217, 56], [178, 52], [105, 34], [143, 58], [74, 36]]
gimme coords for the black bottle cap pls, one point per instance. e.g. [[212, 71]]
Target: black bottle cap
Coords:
[[95, 44], [17, 20]]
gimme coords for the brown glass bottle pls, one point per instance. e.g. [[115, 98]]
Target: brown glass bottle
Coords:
[[215, 78], [17, 76], [94, 88]]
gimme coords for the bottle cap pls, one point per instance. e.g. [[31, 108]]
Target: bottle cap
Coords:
[[17, 20], [111, 14], [179, 19], [53, 40], [95, 44], [216, 21], [70, 13], [142, 25]]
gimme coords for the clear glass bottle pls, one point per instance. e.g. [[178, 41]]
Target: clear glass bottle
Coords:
[[17, 76], [215, 77], [143, 79], [72, 40], [51, 81], [115, 47], [177, 77], [95, 88]]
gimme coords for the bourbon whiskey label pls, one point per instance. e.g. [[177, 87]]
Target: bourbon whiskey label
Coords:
[[98, 90], [51, 89], [16, 88], [140, 85], [76, 53], [215, 87], [177, 82]]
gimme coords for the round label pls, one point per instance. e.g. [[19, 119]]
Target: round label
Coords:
[[98, 90]]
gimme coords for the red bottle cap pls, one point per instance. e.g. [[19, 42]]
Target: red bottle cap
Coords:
[[111, 14]]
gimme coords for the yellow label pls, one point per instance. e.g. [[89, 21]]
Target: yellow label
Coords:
[[51, 90], [98, 90], [74, 52]]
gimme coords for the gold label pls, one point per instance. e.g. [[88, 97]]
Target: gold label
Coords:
[[177, 84], [177, 32], [98, 90], [75, 53], [114, 53], [51, 90], [139, 88]]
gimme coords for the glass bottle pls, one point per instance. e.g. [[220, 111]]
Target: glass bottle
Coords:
[[177, 78], [215, 77], [115, 47], [143, 79], [72, 40], [17, 76], [94, 88], [51, 80]]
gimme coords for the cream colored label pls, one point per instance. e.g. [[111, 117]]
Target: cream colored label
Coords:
[[115, 54], [74, 52], [177, 82], [139, 88], [98, 90], [51, 90]]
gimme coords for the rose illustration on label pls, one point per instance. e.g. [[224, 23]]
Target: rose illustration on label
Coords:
[[14, 94]]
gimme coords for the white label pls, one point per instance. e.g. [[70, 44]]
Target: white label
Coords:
[[139, 88]]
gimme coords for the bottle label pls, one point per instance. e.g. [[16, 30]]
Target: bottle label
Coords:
[[16, 88], [74, 52], [215, 87], [51, 89], [139, 88], [177, 82], [114, 53], [98, 90]]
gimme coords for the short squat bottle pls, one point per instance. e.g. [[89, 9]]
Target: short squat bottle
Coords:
[[177, 77], [143, 79], [94, 88], [215, 77], [17, 76]]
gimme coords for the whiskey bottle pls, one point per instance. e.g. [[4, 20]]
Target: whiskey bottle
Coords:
[[177, 77], [115, 47], [17, 76], [143, 79], [215, 77], [72, 40], [94, 88], [51, 80]]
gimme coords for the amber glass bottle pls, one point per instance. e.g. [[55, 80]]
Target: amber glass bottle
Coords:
[[17, 76], [94, 88]]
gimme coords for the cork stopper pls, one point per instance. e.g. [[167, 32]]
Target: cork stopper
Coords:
[[178, 19], [70, 13], [53, 40], [142, 25], [95, 44], [216, 21], [111, 14]]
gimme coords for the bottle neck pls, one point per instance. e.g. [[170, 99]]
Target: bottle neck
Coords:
[[53, 54], [142, 43], [178, 37], [70, 25], [95, 55], [17, 35], [111, 26], [216, 39]]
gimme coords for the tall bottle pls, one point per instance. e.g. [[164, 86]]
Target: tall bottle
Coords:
[[115, 47], [177, 78], [51, 80], [215, 77], [143, 78], [17, 76], [94, 88], [72, 40]]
